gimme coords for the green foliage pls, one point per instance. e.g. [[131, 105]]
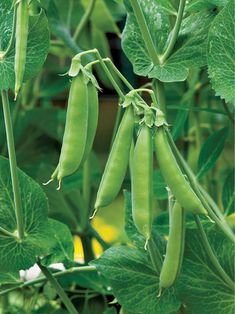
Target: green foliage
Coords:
[[15, 254], [37, 49], [200, 288], [211, 150], [221, 62]]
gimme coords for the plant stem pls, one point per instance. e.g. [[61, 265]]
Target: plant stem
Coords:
[[84, 19], [97, 236], [155, 255], [87, 248], [56, 275], [7, 233], [55, 284], [13, 165], [145, 31], [69, 15], [160, 92], [175, 32], [211, 254]]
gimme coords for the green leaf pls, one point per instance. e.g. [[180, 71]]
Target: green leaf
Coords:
[[9, 278], [59, 28], [132, 41], [167, 6], [134, 281], [90, 280], [16, 255], [221, 57], [62, 250], [200, 288], [37, 47], [211, 150], [190, 50], [228, 194], [198, 5], [101, 17]]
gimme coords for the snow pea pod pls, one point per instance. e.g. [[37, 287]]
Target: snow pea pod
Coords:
[[175, 247], [93, 113], [75, 135], [173, 175], [141, 182], [117, 163]]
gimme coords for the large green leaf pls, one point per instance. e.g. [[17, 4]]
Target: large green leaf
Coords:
[[191, 47], [134, 281], [211, 150], [14, 254], [200, 287], [221, 56], [62, 250], [37, 48]]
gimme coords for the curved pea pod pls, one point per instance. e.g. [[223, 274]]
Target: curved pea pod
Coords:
[[75, 134], [141, 182], [175, 247], [174, 177], [117, 163], [22, 25], [93, 114]]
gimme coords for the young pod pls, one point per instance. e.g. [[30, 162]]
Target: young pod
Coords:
[[175, 247], [93, 114], [141, 182], [174, 177], [116, 166], [75, 134], [22, 25]]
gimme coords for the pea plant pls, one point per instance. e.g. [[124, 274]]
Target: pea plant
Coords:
[[170, 158]]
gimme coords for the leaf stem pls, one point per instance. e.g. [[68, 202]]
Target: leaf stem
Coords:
[[211, 254], [7, 233], [69, 15], [145, 31], [56, 275], [63, 296], [160, 92], [175, 32], [13, 164], [84, 19]]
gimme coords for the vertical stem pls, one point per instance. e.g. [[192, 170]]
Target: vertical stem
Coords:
[[160, 92], [87, 248], [84, 19], [175, 32], [69, 15], [211, 254], [63, 296], [145, 31], [13, 165]]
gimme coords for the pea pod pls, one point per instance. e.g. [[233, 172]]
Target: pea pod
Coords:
[[75, 135], [141, 182], [173, 175], [22, 25], [175, 247], [93, 112], [117, 163]]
